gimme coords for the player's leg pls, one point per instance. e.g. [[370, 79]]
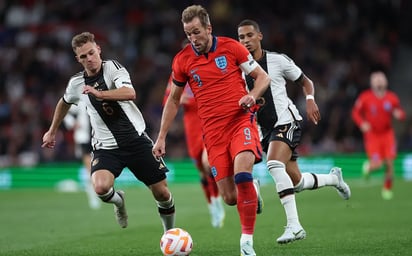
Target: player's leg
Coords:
[[387, 193], [233, 172], [215, 204], [294, 173], [152, 172], [389, 152], [278, 155], [195, 149], [311, 181], [94, 201], [103, 181], [373, 146], [165, 203], [247, 199]]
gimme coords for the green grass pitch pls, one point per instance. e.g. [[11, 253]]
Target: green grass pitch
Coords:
[[47, 222]]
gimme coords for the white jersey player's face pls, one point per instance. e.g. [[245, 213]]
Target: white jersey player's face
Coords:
[[89, 56], [250, 38]]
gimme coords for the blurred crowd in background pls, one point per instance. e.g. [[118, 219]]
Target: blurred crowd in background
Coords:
[[336, 43]]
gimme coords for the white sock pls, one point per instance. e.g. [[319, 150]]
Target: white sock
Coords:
[[322, 180], [327, 180], [168, 219], [94, 201], [284, 185], [115, 198]]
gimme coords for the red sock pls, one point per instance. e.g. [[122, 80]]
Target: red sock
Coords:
[[388, 184], [212, 187], [246, 206]]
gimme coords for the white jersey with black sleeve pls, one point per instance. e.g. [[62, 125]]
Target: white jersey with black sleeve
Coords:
[[114, 123], [278, 108]]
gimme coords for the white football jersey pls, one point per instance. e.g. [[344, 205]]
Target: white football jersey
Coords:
[[279, 108], [114, 123]]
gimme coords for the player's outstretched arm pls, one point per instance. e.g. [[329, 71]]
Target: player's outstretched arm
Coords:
[[169, 113], [49, 138]]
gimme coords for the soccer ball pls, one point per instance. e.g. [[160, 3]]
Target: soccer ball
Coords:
[[176, 241]]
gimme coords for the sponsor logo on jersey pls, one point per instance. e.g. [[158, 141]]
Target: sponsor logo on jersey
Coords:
[[161, 166], [95, 161]]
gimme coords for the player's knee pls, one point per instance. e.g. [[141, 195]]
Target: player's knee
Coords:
[[300, 186], [101, 189], [163, 196], [230, 199], [275, 165], [160, 193], [167, 202]]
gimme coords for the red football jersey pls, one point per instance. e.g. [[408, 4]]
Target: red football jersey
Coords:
[[378, 112], [216, 82]]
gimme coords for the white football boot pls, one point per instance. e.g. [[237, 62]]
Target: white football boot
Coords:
[[292, 233], [246, 249], [342, 188]]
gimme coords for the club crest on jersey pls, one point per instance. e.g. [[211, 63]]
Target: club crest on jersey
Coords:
[[221, 62], [387, 106], [214, 171]]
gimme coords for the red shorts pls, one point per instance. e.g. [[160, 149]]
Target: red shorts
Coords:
[[380, 146], [241, 137]]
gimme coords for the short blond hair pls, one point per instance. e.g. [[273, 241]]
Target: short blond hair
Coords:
[[80, 39], [194, 11]]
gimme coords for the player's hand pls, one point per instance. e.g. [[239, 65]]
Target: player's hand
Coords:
[[49, 140], [398, 114], [87, 89], [312, 111], [365, 127], [247, 101], [159, 148]]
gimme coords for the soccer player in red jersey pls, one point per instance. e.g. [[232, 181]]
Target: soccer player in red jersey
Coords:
[[197, 152], [213, 68], [373, 113]]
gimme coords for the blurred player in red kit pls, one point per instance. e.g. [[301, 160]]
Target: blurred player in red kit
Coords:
[[197, 152], [373, 113]]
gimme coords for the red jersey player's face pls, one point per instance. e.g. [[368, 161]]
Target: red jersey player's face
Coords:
[[379, 83], [198, 35], [250, 38], [89, 56]]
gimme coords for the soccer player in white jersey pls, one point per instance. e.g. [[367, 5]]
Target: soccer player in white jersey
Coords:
[[279, 123], [118, 130], [78, 120]]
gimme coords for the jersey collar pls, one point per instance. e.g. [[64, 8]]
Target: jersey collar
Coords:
[[212, 49]]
